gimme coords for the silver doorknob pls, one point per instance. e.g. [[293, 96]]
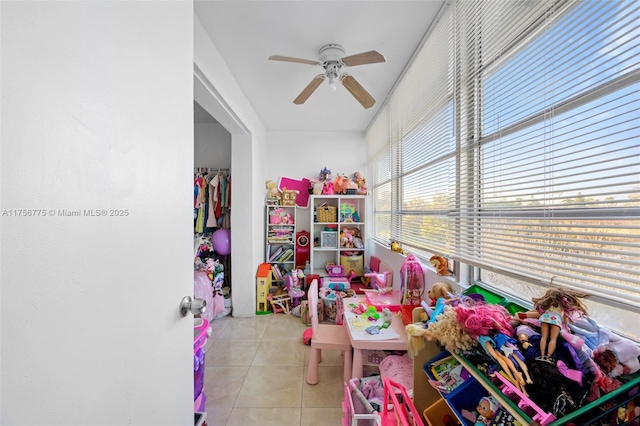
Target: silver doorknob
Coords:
[[195, 306]]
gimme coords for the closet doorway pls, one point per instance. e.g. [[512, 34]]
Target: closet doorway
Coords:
[[212, 233]]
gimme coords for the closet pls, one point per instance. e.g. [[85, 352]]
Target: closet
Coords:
[[211, 208]]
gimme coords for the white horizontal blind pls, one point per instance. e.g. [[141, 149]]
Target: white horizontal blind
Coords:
[[414, 176], [379, 154], [423, 145], [550, 170]]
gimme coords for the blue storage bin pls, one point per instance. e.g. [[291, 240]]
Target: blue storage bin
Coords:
[[454, 382], [466, 397]]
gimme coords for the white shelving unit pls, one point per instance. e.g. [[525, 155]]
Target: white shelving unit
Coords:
[[325, 229], [280, 237]]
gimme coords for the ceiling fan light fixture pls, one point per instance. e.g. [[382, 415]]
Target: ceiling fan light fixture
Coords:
[[332, 59], [332, 84]]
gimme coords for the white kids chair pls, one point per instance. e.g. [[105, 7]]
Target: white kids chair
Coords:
[[326, 336]]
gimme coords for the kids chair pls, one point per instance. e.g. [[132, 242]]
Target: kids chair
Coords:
[[326, 336], [381, 274]]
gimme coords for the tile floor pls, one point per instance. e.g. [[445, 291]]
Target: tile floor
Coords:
[[255, 370]]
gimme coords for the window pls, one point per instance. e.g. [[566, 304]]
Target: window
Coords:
[[524, 161], [412, 148]]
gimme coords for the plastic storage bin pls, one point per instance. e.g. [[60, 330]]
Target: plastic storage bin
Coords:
[[466, 397], [453, 381], [489, 296], [436, 412], [514, 308]]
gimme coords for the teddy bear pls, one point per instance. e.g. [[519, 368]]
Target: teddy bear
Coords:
[[439, 290], [272, 189], [441, 264]]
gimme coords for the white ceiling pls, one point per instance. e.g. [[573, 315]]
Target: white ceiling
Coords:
[[247, 32]]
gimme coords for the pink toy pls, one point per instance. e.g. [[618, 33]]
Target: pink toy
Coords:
[[412, 283], [292, 286], [306, 336], [525, 404], [327, 189]]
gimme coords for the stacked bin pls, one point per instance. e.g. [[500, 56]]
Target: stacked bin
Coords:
[[201, 332]]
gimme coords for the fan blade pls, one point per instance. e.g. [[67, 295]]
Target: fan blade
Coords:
[[307, 91], [296, 60], [357, 91], [363, 58]]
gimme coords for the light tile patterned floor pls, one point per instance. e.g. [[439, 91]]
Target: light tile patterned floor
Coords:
[[255, 370]]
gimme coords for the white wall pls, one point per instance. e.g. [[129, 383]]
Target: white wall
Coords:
[[97, 113], [298, 154], [212, 146], [218, 93]]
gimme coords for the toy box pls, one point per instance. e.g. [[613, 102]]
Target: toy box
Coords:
[[305, 312], [445, 369], [339, 283], [353, 263], [437, 412]]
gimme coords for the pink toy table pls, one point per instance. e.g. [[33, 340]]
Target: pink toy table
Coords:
[[393, 338]]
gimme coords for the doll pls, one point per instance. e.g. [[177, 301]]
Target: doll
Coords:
[[528, 341], [486, 322], [487, 407], [507, 345], [446, 330], [555, 310]]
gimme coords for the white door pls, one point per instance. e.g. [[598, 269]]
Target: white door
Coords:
[[96, 169]]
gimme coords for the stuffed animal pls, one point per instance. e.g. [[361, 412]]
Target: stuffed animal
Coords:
[[441, 264], [395, 246], [272, 189], [342, 184], [439, 290], [360, 182]]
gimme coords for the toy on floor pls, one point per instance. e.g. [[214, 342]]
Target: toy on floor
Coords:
[[306, 336], [292, 285], [279, 300]]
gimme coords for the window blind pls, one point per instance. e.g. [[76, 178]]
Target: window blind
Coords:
[[512, 144], [379, 154], [414, 194], [552, 149]]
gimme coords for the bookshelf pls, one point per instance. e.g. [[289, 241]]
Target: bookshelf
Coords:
[[331, 215], [280, 239]]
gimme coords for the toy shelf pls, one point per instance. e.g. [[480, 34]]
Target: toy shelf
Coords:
[[330, 216]]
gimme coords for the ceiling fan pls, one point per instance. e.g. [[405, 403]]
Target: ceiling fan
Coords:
[[332, 59]]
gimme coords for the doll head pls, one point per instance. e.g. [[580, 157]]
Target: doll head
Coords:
[[483, 320], [449, 333], [524, 333], [439, 290], [487, 407]]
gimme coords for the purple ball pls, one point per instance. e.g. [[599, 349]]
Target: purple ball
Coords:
[[221, 241]]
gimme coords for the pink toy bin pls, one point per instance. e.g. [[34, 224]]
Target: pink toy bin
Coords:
[[201, 332]]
